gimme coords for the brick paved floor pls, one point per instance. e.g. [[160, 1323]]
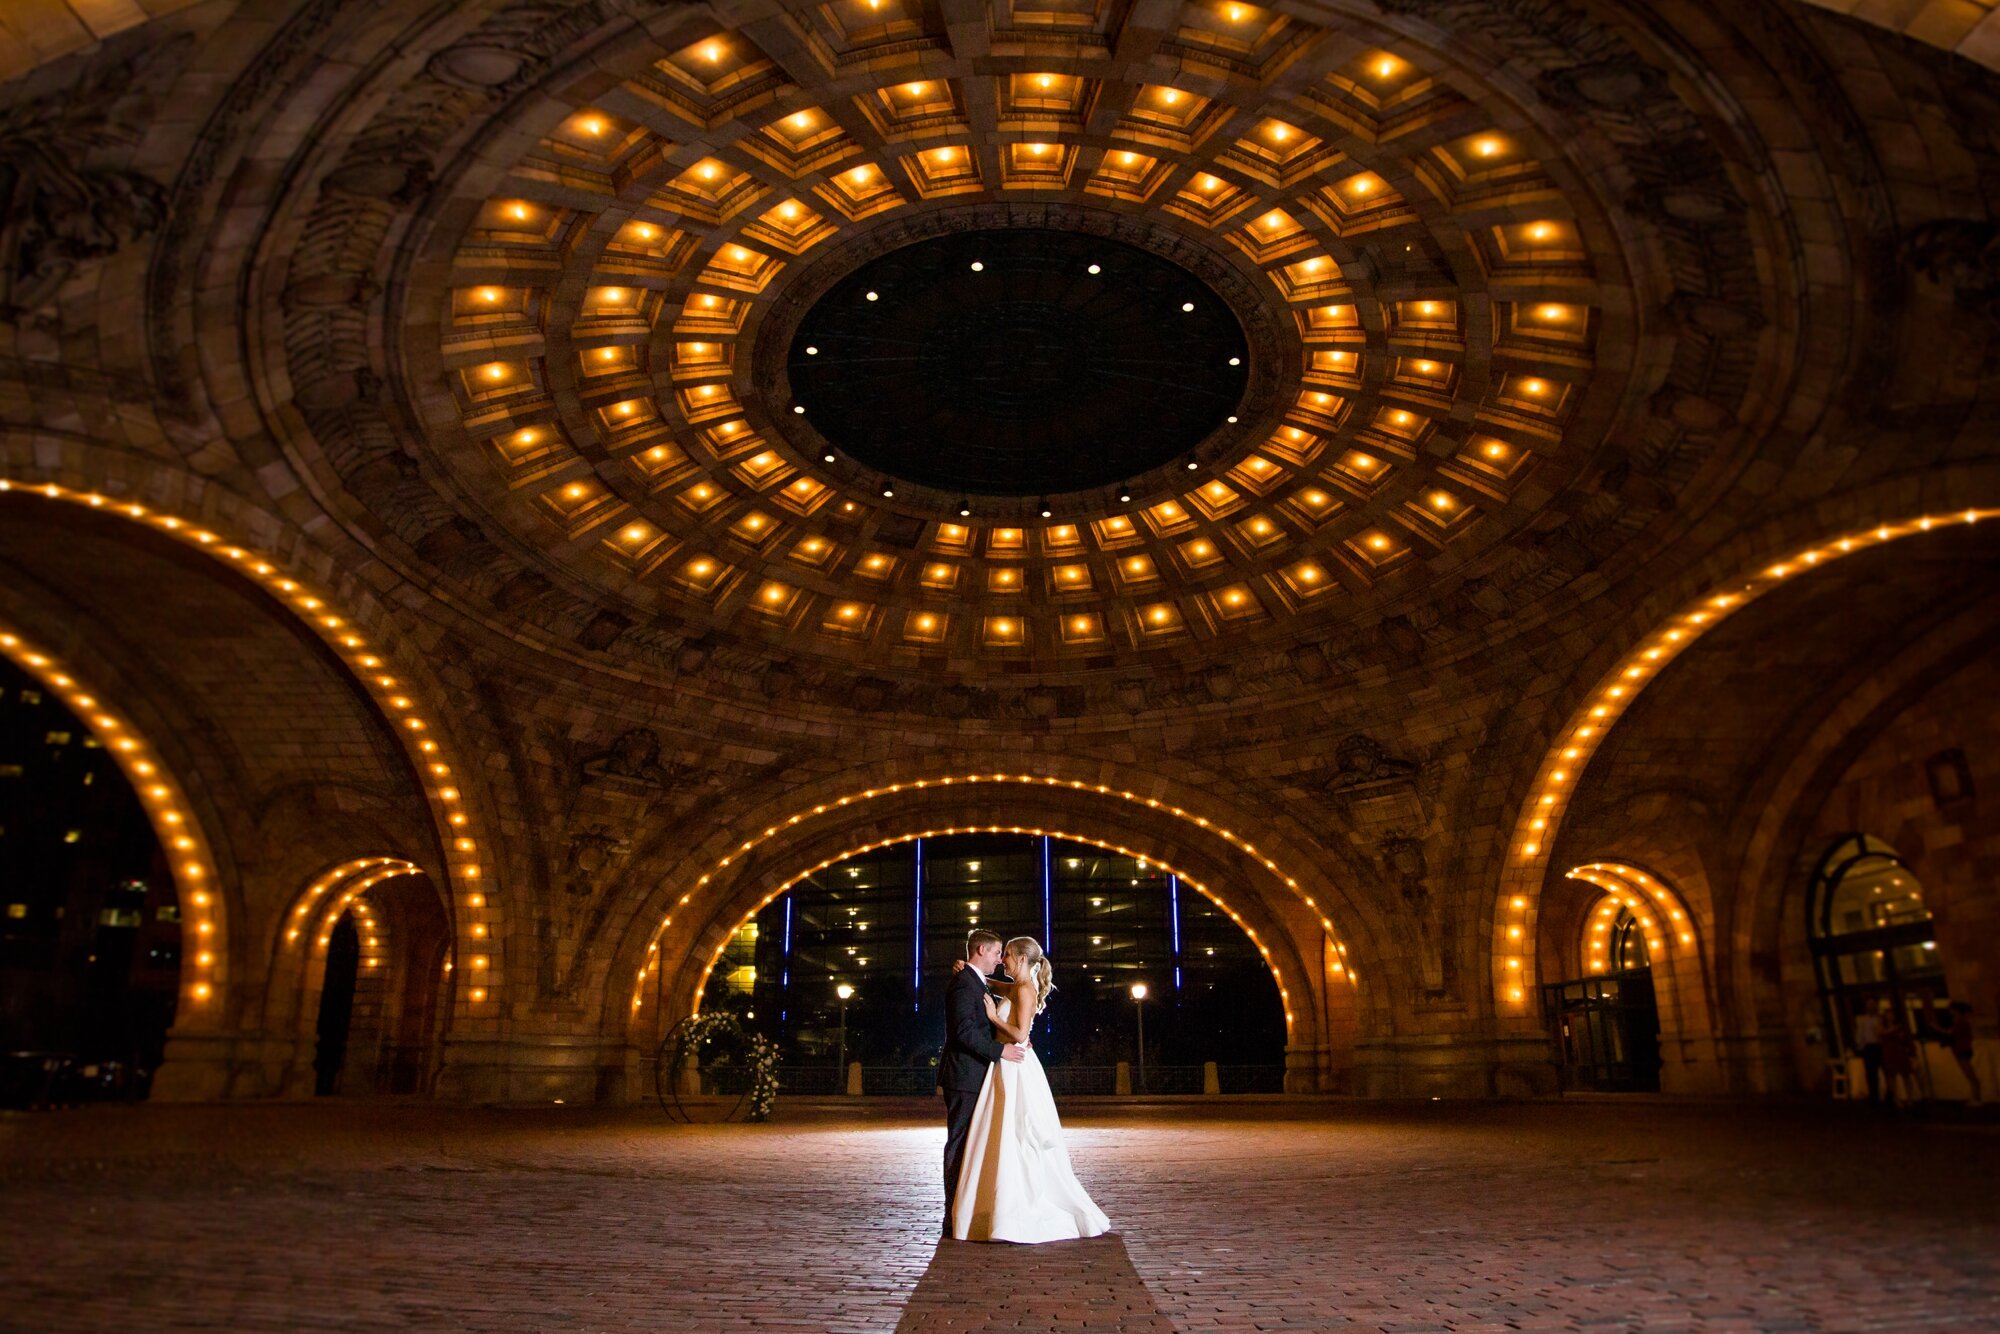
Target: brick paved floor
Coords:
[[1329, 1217]]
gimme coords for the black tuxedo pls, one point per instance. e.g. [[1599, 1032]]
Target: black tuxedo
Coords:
[[969, 1050]]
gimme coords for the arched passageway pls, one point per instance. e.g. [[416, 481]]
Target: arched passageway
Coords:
[[257, 752], [850, 963], [1738, 745], [1281, 906]]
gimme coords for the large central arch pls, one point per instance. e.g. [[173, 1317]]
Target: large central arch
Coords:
[[1280, 897]]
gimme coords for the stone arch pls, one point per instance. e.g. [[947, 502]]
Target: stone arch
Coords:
[[1792, 829], [1288, 904], [1972, 31], [406, 960], [179, 823], [292, 724], [1682, 984], [1613, 679], [329, 604]]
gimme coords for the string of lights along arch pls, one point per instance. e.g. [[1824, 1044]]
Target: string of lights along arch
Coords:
[[1341, 967], [1017, 362], [1584, 734], [851, 961], [205, 966], [475, 914]]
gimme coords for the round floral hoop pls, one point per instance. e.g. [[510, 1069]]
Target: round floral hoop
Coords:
[[697, 1031]]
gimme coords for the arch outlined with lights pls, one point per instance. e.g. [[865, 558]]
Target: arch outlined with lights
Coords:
[[1584, 732], [1674, 936], [708, 968], [164, 799], [1040, 783], [386, 689]]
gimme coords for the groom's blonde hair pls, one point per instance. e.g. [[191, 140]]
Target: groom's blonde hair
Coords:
[[977, 938]]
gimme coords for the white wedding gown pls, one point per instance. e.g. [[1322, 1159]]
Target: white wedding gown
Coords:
[[1016, 1183]]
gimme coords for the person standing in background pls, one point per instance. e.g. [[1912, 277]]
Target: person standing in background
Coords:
[[1899, 1060], [1868, 1046]]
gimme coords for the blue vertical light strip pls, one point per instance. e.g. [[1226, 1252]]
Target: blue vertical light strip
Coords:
[[1174, 909], [1048, 895], [917, 954], [785, 971]]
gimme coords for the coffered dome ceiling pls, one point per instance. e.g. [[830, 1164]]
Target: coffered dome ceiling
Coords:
[[637, 337]]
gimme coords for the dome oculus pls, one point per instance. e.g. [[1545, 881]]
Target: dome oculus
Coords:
[[1018, 362]]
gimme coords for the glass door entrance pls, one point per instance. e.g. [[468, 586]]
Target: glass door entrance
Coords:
[[1607, 1030]]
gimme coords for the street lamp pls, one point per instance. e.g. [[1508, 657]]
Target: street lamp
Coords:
[[1139, 1008], [846, 993]]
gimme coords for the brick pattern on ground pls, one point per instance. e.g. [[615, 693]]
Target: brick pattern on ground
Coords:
[[1407, 1219]]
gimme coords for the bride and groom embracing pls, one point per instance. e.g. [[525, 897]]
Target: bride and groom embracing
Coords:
[[1007, 1175]]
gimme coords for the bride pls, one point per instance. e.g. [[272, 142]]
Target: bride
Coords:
[[1016, 1183]]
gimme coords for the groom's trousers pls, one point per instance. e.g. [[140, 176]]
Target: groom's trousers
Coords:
[[958, 1107]]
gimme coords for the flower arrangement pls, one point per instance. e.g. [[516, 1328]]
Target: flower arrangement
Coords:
[[758, 1054]]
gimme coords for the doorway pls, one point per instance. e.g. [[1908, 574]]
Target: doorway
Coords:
[[1607, 1030]]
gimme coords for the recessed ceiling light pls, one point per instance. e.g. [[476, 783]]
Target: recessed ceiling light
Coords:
[[1124, 497], [827, 457], [1095, 269], [1192, 465], [978, 267], [1187, 307], [874, 296], [799, 408], [1236, 361], [812, 351], [888, 491], [965, 511], [1232, 421]]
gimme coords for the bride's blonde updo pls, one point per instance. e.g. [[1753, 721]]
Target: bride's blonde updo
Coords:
[[1036, 966]]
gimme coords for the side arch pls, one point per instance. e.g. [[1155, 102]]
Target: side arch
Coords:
[[1759, 563], [241, 541]]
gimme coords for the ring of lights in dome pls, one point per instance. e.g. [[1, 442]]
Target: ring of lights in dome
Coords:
[[1584, 733], [622, 274], [475, 913]]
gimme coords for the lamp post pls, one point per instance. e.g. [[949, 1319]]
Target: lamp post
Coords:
[[845, 993], [1139, 1008]]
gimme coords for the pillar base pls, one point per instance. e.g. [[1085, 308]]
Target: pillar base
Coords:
[[540, 1070], [1455, 1067], [214, 1067]]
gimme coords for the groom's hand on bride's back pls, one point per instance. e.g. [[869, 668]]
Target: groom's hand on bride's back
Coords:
[[1013, 1051]]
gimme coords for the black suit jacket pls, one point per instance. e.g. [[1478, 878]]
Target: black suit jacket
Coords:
[[969, 1044]]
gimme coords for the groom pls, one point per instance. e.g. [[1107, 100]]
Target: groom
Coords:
[[969, 1048]]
